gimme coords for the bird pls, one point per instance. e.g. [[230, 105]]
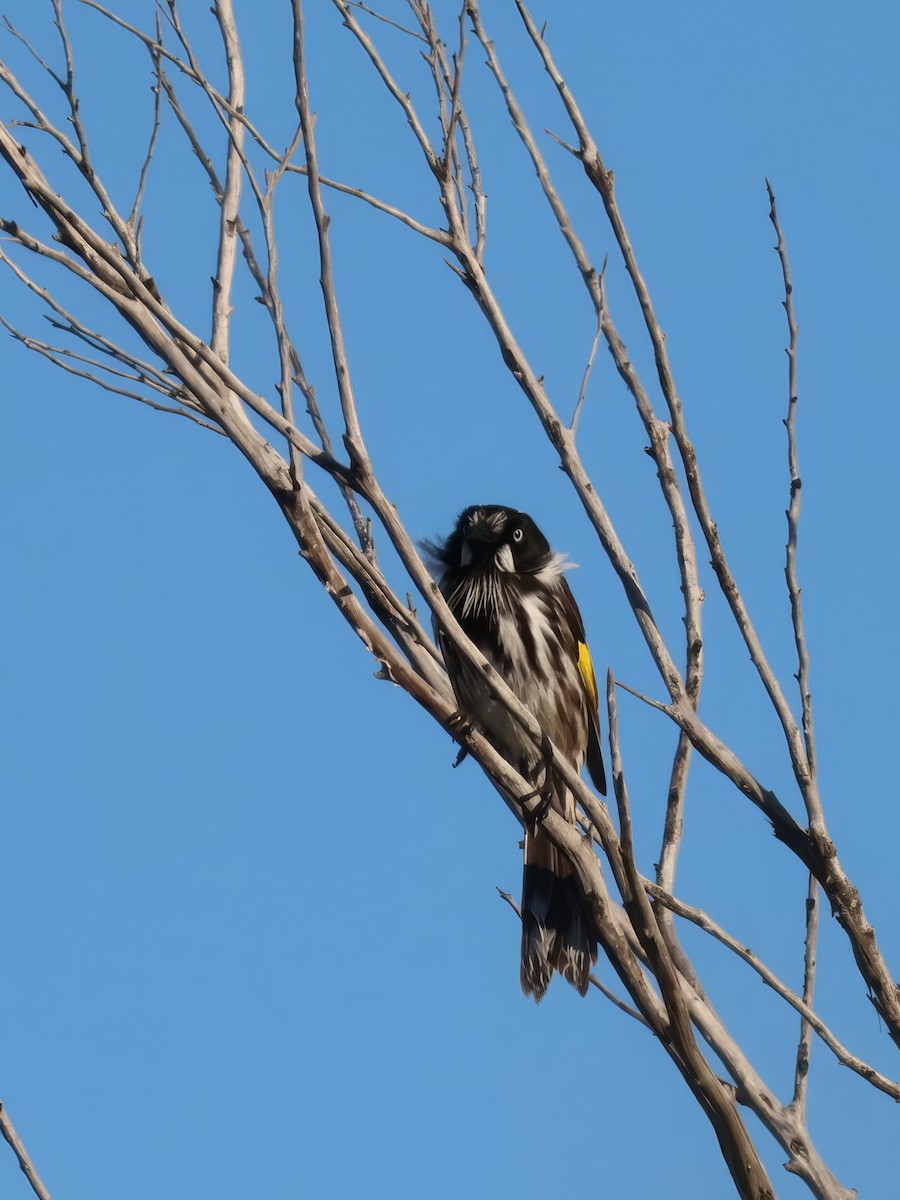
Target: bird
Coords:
[[508, 590]]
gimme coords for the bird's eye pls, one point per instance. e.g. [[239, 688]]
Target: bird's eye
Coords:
[[518, 535]]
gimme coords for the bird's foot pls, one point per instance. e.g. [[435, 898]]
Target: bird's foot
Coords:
[[460, 727], [545, 791]]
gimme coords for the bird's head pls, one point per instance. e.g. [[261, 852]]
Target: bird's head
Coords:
[[491, 536]]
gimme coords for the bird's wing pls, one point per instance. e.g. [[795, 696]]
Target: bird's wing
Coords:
[[594, 756]]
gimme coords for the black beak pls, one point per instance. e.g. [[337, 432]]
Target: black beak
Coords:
[[476, 529]]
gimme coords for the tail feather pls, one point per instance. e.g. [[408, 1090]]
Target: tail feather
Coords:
[[538, 934], [555, 924]]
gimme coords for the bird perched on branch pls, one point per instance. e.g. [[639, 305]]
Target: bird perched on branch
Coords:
[[508, 590]]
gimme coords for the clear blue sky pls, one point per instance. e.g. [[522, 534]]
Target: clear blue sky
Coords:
[[250, 947]]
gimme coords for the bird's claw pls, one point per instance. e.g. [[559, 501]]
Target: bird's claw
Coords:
[[545, 791], [460, 727], [534, 817]]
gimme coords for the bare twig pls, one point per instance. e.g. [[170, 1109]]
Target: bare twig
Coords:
[[82, 157], [456, 94], [353, 438], [618, 1001], [402, 98], [372, 13], [445, 81], [801, 1073], [582, 395], [135, 217], [234, 174], [58, 357], [19, 1149], [793, 514], [668, 709]]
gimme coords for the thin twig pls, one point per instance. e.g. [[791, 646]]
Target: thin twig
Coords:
[[476, 185], [402, 98], [810, 959], [456, 93], [123, 230], [793, 512], [57, 357], [657, 704], [156, 380], [135, 216], [372, 13], [353, 433], [19, 1149], [582, 395], [96, 340]]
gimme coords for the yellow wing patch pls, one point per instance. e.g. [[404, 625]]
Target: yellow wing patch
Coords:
[[586, 669]]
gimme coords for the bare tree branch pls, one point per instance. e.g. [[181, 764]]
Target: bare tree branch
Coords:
[[134, 219], [633, 917], [804, 1049], [234, 174], [793, 512], [371, 11], [19, 1149], [586, 378]]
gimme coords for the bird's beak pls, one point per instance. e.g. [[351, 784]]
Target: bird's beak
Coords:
[[479, 530], [478, 535]]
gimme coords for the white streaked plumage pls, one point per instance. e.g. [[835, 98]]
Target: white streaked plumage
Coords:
[[507, 588]]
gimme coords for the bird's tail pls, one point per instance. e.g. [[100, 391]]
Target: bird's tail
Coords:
[[556, 927]]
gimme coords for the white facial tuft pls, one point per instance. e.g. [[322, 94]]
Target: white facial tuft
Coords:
[[504, 559]]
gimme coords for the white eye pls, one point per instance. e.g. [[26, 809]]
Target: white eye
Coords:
[[518, 535]]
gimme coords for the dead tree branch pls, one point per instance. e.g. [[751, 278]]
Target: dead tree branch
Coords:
[[180, 371], [29, 1170]]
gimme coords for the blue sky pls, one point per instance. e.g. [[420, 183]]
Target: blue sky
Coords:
[[251, 943]]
